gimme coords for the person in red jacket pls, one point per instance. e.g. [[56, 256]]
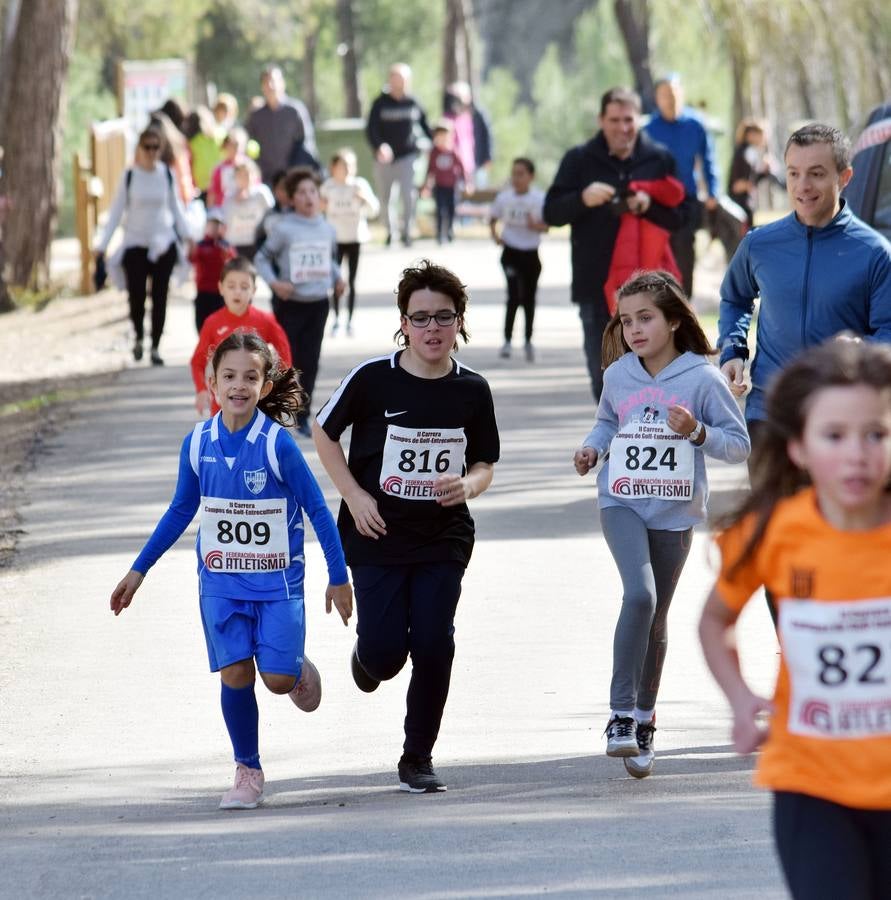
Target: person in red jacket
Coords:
[[208, 257], [237, 285], [641, 244]]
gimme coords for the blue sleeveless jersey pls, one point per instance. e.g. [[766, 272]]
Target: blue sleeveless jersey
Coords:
[[239, 536]]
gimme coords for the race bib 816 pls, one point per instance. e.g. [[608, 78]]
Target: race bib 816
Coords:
[[415, 457]]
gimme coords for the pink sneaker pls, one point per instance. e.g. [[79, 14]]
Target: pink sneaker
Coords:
[[247, 792], [307, 693]]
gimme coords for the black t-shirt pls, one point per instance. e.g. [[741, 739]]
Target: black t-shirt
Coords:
[[406, 432]]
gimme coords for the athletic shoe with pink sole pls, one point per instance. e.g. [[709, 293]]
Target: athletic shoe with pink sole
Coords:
[[307, 693], [247, 792]]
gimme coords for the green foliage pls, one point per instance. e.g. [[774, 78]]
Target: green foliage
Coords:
[[511, 123]]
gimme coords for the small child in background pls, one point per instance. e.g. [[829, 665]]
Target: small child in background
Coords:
[[444, 173], [298, 262], [238, 282], [208, 257], [204, 148], [348, 201], [519, 208], [246, 207], [282, 205], [222, 182]]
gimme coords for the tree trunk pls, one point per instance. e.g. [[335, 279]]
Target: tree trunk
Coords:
[[37, 67], [633, 18], [310, 96], [346, 33], [450, 44], [515, 34], [9, 24]]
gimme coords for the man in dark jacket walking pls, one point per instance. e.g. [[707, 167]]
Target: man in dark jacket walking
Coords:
[[590, 192], [392, 130]]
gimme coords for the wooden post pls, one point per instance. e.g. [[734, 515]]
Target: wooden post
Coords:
[[84, 223]]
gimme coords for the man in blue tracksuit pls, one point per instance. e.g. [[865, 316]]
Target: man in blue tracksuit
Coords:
[[818, 271], [682, 130]]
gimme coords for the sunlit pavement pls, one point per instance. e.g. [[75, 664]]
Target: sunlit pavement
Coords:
[[113, 747]]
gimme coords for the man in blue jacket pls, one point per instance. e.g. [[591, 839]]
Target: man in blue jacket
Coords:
[[681, 129], [818, 271]]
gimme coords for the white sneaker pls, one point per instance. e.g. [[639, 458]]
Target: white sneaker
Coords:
[[621, 739], [247, 792], [335, 327], [504, 353], [642, 765]]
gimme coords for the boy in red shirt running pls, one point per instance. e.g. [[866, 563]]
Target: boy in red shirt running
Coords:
[[208, 257], [237, 285]]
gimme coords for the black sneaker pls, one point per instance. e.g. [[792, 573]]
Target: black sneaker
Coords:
[[363, 680], [418, 777], [137, 350], [642, 765], [621, 739]]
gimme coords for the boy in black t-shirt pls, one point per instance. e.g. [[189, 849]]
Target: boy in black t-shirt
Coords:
[[424, 441]]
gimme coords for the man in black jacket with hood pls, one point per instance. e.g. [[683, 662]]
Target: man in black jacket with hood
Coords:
[[590, 192]]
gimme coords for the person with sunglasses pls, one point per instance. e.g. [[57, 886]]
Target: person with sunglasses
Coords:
[[424, 442], [153, 223]]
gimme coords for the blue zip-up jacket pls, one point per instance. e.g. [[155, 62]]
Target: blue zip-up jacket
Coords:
[[687, 138], [813, 283]]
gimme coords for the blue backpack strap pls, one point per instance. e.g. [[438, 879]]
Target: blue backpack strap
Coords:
[[271, 455], [195, 445]]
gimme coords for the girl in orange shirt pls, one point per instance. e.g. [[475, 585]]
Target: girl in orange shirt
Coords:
[[816, 532]]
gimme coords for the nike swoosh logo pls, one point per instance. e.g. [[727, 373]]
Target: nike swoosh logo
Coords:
[[223, 329], [389, 415]]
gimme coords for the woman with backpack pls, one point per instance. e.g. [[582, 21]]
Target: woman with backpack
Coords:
[[153, 224]]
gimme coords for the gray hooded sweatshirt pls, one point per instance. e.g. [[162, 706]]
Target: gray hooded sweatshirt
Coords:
[[633, 401], [302, 251]]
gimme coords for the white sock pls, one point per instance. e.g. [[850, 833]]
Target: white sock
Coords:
[[642, 716], [621, 713]]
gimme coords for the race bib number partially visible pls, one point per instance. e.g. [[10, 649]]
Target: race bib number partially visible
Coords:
[[310, 262], [241, 228], [838, 656], [240, 536], [648, 459], [415, 458], [517, 214]]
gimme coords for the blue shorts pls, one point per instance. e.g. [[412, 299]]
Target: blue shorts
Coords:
[[271, 631]]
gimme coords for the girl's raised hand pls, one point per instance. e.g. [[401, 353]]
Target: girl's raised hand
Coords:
[[584, 460], [123, 593], [341, 596], [681, 420]]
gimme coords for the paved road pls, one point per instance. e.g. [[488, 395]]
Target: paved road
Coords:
[[112, 745]]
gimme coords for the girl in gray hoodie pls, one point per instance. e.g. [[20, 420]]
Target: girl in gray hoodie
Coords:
[[664, 406]]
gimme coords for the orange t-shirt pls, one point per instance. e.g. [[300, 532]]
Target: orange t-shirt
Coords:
[[830, 735], [219, 325]]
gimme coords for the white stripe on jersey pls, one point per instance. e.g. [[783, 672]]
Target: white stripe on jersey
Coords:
[[324, 412]]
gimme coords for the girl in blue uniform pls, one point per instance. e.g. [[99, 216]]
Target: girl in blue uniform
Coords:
[[252, 485]]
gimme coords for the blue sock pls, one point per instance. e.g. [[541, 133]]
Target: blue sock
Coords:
[[242, 721]]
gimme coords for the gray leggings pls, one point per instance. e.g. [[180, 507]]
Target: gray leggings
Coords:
[[402, 172], [650, 563]]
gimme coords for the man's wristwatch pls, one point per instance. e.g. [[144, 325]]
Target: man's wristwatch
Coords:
[[696, 433]]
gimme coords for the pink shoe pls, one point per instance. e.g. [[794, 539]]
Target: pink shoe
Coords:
[[247, 792], [307, 693]]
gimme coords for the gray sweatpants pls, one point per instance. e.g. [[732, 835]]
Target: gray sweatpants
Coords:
[[401, 171], [650, 564]]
